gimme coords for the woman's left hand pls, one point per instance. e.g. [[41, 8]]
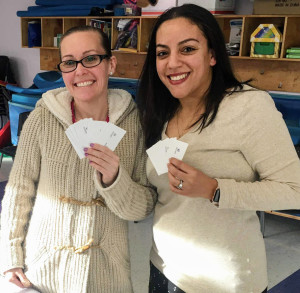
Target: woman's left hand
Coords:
[[194, 182], [105, 161]]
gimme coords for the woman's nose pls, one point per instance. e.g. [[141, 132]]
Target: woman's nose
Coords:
[[81, 69], [174, 60]]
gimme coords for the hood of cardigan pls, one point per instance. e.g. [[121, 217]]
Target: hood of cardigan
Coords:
[[58, 102]]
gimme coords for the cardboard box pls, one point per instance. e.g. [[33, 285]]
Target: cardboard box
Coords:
[[214, 6], [276, 7]]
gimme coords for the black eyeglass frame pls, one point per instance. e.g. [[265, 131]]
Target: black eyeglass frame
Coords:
[[102, 57]]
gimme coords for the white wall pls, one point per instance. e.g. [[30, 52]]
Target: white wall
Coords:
[[26, 62]]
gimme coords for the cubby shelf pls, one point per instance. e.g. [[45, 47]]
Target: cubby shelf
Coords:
[[268, 74]]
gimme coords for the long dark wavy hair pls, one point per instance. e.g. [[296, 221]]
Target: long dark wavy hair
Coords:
[[155, 102]]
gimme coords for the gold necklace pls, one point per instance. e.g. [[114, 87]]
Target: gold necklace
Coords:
[[185, 130], [177, 122], [177, 125]]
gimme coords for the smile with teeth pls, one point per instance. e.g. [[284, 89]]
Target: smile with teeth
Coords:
[[178, 77], [84, 83]]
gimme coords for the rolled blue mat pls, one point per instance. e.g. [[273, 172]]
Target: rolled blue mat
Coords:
[[62, 12], [66, 7], [76, 2]]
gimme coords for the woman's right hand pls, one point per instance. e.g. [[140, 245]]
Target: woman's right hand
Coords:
[[17, 277]]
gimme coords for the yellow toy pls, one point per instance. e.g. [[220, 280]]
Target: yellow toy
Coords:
[[265, 41]]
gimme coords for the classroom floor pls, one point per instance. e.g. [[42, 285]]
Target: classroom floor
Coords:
[[282, 238]]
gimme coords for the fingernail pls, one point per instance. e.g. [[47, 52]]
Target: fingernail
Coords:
[[85, 149], [26, 283], [91, 144], [86, 154]]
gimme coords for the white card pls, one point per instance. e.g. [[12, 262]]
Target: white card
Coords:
[[96, 129], [163, 150], [177, 149], [156, 155], [82, 132], [112, 135], [86, 131], [75, 142]]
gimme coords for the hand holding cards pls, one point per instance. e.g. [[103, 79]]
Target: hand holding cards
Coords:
[[163, 150], [87, 131]]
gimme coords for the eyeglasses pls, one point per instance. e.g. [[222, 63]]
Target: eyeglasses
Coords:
[[88, 62]]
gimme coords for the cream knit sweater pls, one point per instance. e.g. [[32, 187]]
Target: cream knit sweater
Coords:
[[205, 249], [40, 232]]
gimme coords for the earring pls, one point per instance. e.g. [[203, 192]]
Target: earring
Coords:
[[111, 73]]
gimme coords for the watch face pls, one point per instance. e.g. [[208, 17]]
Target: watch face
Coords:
[[217, 195]]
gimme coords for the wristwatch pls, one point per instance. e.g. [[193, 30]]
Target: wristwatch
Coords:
[[216, 198]]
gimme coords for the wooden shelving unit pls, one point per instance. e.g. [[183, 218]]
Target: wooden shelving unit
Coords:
[[268, 74]]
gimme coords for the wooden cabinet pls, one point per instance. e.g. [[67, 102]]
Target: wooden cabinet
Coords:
[[278, 74], [269, 74], [129, 63]]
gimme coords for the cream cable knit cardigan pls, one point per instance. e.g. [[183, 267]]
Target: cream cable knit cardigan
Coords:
[[40, 233]]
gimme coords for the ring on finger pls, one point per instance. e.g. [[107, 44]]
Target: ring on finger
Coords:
[[180, 185]]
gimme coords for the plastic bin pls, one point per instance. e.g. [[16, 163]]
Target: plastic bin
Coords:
[[15, 109]]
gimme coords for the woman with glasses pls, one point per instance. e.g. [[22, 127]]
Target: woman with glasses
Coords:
[[64, 219]]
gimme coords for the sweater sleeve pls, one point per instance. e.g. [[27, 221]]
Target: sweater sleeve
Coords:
[[130, 197], [19, 194], [267, 147]]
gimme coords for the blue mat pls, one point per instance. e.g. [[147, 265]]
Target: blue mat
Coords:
[[78, 2], [42, 12], [289, 285], [60, 7]]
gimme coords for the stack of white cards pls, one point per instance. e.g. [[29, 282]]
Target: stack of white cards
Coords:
[[163, 150], [87, 131]]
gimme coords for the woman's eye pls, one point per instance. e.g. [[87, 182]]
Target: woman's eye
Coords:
[[188, 49], [69, 63], [161, 54], [90, 58]]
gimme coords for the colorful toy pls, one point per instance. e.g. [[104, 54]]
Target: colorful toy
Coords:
[[265, 41]]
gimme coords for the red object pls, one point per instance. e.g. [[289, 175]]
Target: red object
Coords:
[[5, 138]]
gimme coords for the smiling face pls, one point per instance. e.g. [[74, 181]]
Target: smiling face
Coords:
[[183, 60], [86, 84]]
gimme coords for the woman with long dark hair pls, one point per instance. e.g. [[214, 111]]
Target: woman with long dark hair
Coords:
[[240, 159]]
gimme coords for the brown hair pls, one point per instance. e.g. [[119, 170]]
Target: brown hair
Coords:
[[104, 40]]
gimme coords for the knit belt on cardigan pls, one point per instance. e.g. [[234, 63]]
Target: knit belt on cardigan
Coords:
[[95, 201], [79, 249]]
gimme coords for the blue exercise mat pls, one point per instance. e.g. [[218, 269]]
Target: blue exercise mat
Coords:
[[289, 285], [66, 7], [32, 90], [77, 12], [77, 2], [43, 82]]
